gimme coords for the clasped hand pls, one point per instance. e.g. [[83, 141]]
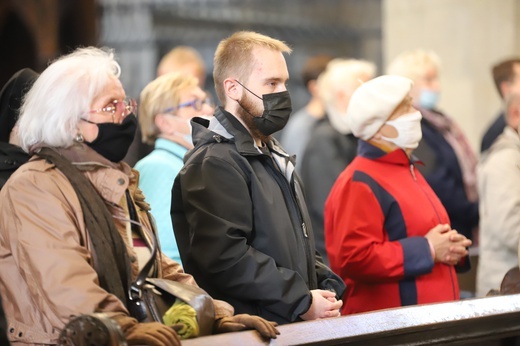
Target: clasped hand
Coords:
[[449, 245], [324, 304]]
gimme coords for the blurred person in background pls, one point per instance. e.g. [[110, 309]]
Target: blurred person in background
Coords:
[[331, 146], [506, 75], [166, 107], [297, 132], [182, 59], [387, 234], [499, 191], [449, 161], [11, 96]]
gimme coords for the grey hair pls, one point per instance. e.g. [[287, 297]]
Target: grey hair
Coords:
[[342, 75], [414, 63], [63, 94]]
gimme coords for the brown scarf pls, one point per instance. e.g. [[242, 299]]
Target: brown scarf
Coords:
[[458, 141], [111, 259]]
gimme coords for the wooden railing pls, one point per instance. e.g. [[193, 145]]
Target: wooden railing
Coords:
[[483, 321]]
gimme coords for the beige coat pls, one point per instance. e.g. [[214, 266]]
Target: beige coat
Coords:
[[45, 251], [499, 191]]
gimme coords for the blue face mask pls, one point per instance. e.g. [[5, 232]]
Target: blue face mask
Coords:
[[429, 99], [188, 138]]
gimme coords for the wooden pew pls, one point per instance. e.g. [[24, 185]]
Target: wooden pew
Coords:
[[483, 321]]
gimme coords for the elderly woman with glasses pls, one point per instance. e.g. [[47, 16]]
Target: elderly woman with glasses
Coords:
[[167, 105], [68, 244]]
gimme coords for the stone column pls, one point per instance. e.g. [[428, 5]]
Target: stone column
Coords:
[[469, 36]]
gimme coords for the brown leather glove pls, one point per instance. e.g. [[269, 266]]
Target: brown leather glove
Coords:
[[150, 333], [244, 321]]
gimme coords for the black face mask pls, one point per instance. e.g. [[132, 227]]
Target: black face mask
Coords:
[[114, 140], [277, 109]]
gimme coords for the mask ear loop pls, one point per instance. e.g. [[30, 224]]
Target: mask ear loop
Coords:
[[248, 89]]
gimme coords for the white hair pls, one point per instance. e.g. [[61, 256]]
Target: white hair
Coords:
[[345, 76], [413, 64], [62, 95]]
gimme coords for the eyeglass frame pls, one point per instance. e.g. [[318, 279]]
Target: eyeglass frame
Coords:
[[193, 103], [130, 106]]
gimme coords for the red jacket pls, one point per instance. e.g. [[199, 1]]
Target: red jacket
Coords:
[[376, 216]]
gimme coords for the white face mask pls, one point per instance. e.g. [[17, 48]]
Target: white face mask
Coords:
[[187, 136], [408, 128]]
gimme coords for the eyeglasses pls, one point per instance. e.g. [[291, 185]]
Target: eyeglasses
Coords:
[[123, 107], [196, 104]]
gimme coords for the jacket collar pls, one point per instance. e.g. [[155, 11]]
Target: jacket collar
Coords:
[[175, 148], [507, 138], [86, 159], [81, 155], [110, 179], [225, 126], [396, 157], [511, 134]]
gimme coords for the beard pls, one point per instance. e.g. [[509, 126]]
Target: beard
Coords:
[[247, 111]]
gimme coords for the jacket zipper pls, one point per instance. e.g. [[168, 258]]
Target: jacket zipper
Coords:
[[313, 282], [286, 189], [304, 227], [412, 171]]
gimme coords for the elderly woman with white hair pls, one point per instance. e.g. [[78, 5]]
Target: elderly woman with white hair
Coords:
[[387, 234], [74, 227]]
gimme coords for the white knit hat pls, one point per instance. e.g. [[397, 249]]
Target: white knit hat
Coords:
[[373, 102]]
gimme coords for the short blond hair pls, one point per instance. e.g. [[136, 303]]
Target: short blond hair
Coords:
[[414, 63], [181, 56], [160, 94], [234, 57]]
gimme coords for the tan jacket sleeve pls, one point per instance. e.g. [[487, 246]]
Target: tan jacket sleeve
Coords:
[[46, 236]]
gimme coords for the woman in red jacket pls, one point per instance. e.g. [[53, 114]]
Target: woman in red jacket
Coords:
[[387, 234]]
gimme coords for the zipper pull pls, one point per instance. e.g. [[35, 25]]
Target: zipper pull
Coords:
[[304, 227], [413, 172]]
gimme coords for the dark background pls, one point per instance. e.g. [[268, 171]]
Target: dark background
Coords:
[[33, 32]]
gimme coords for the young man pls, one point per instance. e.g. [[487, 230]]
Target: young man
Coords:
[[499, 186], [506, 76], [239, 216]]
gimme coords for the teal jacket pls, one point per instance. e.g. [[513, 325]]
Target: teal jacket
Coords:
[[157, 172]]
